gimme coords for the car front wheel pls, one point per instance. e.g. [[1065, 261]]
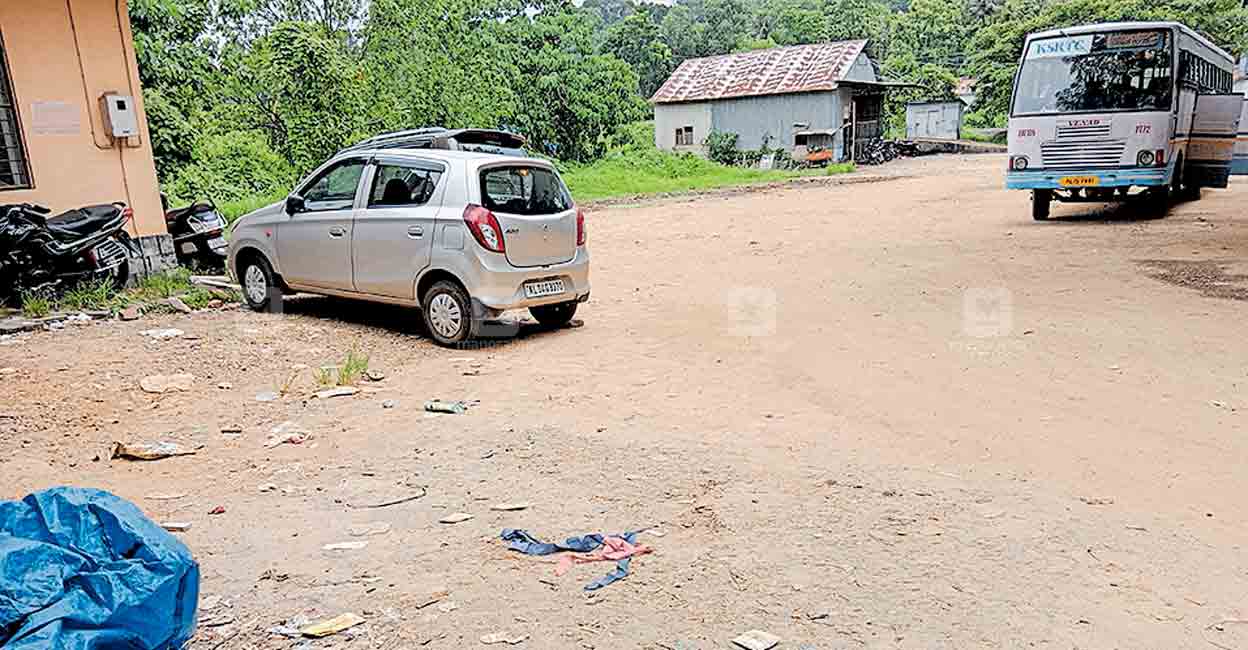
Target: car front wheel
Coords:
[[256, 277], [447, 313], [556, 315]]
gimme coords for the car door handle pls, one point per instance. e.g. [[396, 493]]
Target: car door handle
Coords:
[[415, 232], [337, 232]]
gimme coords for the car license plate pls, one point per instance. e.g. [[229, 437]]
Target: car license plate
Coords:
[[217, 243], [543, 288], [1079, 181]]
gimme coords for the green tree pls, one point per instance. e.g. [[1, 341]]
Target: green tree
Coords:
[[611, 11], [727, 25], [638, 41], [857, 19], [300, 86], [684, 33], [571, 99]]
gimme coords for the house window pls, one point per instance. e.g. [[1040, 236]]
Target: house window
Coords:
[[14, 169], [684, 136]]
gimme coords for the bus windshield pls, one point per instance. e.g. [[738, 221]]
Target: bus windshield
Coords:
[[1113, 71]]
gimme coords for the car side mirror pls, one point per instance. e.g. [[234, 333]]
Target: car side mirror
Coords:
[[295, 204]]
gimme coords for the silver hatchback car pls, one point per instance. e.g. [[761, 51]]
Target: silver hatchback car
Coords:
[[462, 235]]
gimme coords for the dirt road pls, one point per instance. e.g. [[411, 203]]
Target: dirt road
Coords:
[[896, 414]]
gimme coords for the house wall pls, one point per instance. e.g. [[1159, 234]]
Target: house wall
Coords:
[[771, 118], [861, 70], [73, 162], [669, 117]]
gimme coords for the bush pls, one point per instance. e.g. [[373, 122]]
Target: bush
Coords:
[[232, 167], [722, 148]]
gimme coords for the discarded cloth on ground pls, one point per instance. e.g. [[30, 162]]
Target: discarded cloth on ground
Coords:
[[613, 549], [522, 541], [82, 569]]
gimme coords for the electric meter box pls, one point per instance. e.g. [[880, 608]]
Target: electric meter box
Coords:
[[121, 115]]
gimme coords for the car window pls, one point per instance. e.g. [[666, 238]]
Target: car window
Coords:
[[399, 185], [520, 189], [335, 188]]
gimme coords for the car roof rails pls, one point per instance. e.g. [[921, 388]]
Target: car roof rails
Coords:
[[436, 137]]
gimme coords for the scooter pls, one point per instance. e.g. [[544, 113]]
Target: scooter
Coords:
[[41, 253], [198, 232]]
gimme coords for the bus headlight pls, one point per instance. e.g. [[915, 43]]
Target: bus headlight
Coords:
[[1145, 158], [1018, 163]]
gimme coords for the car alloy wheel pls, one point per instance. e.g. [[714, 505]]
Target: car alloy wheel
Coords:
[[255, 284], [445, 316]]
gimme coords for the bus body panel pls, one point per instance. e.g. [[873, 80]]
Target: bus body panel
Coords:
[[1211, 145], [1239, 165], [1061, 150]]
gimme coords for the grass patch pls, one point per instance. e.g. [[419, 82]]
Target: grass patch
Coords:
[[348, 373], [353, 368], [974, 136], [36, 304], [97, 295], [636, 168], [167, 284]]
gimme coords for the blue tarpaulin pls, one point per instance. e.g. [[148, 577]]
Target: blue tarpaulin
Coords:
[[82, 569]]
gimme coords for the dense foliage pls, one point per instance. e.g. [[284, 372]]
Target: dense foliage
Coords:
[[245, 95]]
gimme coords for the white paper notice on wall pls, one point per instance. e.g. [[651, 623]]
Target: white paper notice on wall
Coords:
[[55, 118]]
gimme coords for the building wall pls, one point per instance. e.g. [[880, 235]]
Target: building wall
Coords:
[[772, 118], [669, 117], [73, 162], [861, 70]]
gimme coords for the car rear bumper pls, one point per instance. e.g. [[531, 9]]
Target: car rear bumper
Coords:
[[1047, 180], [496, 285]]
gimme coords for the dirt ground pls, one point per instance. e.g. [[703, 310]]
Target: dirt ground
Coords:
[[896, 414]]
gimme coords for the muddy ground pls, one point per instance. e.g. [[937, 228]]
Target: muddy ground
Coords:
[[895, 414]]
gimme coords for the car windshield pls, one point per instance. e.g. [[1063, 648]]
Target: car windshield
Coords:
[[524, 190], [1114, 71]]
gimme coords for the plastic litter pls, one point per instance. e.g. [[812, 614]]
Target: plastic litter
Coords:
[[83, 569], [345, 546], [332, 626], [503, 637], [161, 384], [149, 450], [162, 334], [757, 640], [438, 406], [341, 391]]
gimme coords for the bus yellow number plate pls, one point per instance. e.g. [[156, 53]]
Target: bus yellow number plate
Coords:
[[1079, 181]]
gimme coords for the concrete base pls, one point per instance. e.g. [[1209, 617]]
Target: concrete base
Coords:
[[156, 254], [926, 146]]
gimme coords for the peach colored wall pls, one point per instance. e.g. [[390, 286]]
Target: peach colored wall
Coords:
[[81, 167]]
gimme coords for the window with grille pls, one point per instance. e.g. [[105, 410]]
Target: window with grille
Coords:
[[684, 136], [14, 166]]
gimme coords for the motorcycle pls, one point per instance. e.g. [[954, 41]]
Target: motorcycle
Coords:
[[40, 253], [198, 232]]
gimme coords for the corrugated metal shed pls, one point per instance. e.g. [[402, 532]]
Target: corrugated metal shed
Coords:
[[780, 70]]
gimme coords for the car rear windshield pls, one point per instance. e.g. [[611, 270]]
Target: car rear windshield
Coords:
[[520, 189]]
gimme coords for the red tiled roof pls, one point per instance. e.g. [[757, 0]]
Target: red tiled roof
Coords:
[[795, 69]]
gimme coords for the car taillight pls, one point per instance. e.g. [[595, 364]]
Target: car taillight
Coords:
[[127, 213], [485, 228], [580, 227], [1161, 158]]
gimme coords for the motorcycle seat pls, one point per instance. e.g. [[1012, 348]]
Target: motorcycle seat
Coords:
[[76, 224]]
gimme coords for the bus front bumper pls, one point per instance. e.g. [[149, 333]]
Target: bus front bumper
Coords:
[[1046, 180]]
